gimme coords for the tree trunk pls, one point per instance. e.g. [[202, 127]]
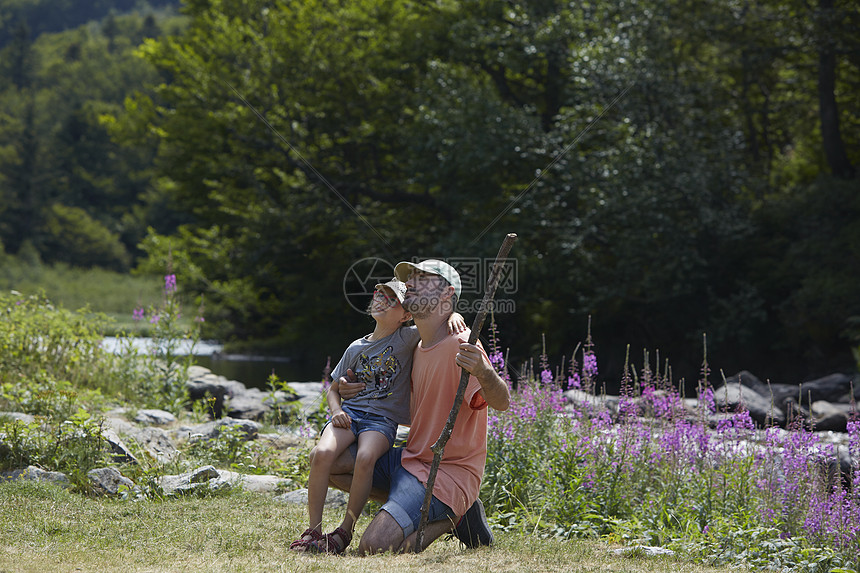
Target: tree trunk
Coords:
[[834, 147]]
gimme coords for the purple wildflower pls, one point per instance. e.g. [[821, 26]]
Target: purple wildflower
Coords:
[[169, 283], [138, 314], [546, 377], [589, 365]]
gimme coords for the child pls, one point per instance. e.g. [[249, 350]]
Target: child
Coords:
[[383, 361]]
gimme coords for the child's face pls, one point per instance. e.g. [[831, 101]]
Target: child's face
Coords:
[[385, 304]]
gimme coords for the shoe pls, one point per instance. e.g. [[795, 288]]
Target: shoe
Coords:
[[473, 529], [302, 544], [335, 542]]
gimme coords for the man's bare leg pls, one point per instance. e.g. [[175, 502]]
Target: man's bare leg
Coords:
[[385, 534]]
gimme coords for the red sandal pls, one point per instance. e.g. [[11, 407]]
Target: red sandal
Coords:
[[302, 544], [335, 542]]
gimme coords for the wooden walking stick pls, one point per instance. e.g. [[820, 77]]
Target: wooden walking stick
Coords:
[[439, 447]]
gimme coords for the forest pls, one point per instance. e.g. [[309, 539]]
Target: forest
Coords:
[[674, 169]]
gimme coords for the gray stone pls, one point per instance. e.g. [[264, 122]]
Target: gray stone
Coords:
[[334, 498], [120, 451], [828, 416], [247, 406], [256, 483], [188, 481], [210, 430], [643, 551], [109, 481], [154, 417], [19, 416], [36, 474], [733, 397], [156, 443]]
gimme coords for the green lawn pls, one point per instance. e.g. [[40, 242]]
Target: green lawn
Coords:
[[48, 529]]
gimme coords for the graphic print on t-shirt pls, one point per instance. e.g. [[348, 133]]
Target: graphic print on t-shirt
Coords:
[[377, 372]]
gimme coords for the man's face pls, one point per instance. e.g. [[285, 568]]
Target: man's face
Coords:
[[424, 293]]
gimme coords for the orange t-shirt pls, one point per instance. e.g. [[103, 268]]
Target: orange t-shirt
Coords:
[[435, 378]]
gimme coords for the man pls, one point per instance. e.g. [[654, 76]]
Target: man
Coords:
[[432, 290]]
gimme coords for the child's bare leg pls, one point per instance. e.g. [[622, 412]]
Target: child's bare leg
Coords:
[[371, 446], [334, 441]]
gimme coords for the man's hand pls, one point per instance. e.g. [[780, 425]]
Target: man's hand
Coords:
[[341, 420], [348, 386], [493, 388], [471, 358]]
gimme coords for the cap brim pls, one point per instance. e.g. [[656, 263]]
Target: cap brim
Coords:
[[402, 270]]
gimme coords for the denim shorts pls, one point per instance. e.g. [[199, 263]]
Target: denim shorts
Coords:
[[366, 422], [405, 493]]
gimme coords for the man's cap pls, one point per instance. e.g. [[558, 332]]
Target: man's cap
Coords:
[[432, 266], [397, 287]]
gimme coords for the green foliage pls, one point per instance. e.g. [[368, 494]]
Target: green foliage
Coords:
[[72, 446], [52, 344], [66, 187], [164, 367], [231, 447], [665, 158], [107, 292], [283, 412], [83, 241]]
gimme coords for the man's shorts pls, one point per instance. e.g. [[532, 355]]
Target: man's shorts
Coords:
[[405, 493], [367, 422]]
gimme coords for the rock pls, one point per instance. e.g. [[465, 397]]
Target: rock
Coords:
[[189, 481], [156, 443], [121, 453], [643, 551], [36, 474], [584, 402], [213, 480], [154, 417], [119, 425], [310, 395], [749, 380], [211, 430], [248, 405], [334, 498], [833, 388], [256, 483], [109, 481], [828, 416], [733, 397], [19, 416]]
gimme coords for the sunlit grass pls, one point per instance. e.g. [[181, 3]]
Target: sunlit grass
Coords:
[[113, 294], [48, 529]]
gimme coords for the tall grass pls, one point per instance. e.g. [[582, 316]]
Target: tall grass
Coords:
[[99, 290], [649, 471]]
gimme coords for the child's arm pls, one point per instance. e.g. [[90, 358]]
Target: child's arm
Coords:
[[339, 418], [456, 323]]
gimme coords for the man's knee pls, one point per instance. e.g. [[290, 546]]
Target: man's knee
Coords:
[[383, 534]]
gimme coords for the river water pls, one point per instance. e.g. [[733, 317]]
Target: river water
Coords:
[[253, 371]]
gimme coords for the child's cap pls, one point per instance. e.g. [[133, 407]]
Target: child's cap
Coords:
[[432, 266], [397, 287]]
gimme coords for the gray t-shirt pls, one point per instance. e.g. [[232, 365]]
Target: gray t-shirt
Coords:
[[385, 366]]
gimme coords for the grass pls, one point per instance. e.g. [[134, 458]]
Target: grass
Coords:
[[111, 293], [46, 528]]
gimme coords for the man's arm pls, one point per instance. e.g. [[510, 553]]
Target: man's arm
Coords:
[[493, 388]]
